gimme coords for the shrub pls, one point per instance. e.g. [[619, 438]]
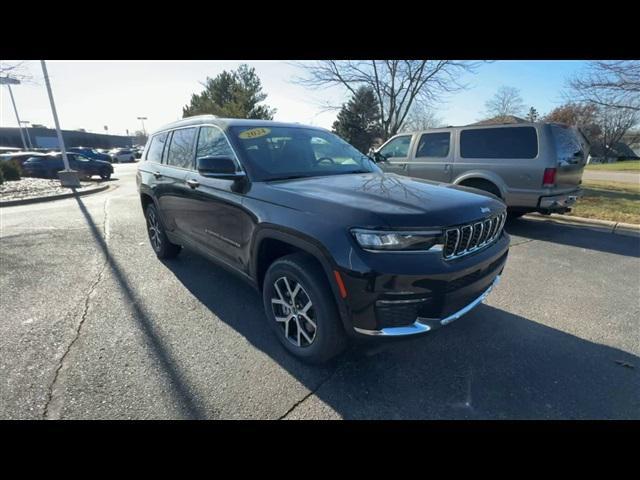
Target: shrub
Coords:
[[10, 170]]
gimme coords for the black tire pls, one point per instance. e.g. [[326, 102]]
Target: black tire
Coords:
[[160, 244], [328, 336], [483, 185], [105, 175]]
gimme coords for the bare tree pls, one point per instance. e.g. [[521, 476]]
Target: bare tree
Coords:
[[614, 84], [421, 118], [15, 69], [581, 115], [398, 85], [615, 122], [507, 101]]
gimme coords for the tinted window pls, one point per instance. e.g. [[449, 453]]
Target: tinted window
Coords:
[[155, 148], [568, 148], [515, 142], [398, 147], [434, 145], [212, 143], [181, 148]]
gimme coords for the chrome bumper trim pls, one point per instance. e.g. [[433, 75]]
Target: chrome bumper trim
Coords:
[[423, 325]]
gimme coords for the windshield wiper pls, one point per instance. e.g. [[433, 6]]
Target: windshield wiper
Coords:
[[288, 177]]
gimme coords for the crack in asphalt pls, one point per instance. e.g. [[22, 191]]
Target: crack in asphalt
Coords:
[[312, 392], [47, 414]]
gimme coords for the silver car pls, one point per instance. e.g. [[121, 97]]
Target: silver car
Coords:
[[530, 166]]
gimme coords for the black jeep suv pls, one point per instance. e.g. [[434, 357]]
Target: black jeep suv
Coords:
[[337, 247]]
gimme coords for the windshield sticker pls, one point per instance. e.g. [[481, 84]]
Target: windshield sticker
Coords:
[[254, 133]]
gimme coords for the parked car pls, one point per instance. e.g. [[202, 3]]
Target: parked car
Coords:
[[337, 247], [531, 167], [48, 166], [138, 151], [91, 153], [121, 155], [19, 157]]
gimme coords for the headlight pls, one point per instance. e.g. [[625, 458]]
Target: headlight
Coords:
[[398, 241]]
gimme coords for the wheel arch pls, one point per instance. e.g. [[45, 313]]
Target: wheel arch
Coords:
[[269, 244], [490, 177]]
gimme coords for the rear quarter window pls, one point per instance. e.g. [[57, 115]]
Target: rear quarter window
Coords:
[[156, 147], [513, 142]]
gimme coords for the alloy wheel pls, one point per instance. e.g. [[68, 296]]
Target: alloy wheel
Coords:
[[293, 310], [154, 230]]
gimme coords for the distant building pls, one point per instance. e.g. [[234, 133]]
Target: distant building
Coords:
[[47, 138]]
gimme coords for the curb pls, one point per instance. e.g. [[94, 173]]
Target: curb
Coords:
[[26, 201], [608, 226]]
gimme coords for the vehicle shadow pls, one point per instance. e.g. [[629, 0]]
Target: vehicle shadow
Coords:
[[491, 364], [574, 236], [513, 368]]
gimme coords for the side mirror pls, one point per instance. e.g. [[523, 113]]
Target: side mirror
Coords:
[[218, 167]]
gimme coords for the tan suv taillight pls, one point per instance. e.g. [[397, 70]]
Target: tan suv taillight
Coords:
[[549, 178]]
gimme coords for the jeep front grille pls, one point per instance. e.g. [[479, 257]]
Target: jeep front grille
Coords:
[[465, 239]]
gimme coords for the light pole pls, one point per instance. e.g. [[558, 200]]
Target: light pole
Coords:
[[8, 81], [68, 177], [26, 129], [142, 119]]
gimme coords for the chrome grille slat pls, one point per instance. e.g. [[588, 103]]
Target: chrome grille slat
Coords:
[[465, 239]]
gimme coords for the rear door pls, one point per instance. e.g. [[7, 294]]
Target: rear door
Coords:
[[171, 188], [571, 156], [396, 154], [433, 157]]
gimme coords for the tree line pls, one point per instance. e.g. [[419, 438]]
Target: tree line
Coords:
[[392, 96]]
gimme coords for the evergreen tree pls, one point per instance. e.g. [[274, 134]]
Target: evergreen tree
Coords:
[[359, 120], [234, 94]]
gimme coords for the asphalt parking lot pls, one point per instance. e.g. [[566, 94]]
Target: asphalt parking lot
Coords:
[[94, 326]]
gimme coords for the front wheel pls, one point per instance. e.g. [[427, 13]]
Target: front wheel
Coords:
[[105, 175], [157, 236], [301, 309]]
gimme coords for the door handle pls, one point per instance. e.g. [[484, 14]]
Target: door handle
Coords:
[[193, 183], [157, 174]]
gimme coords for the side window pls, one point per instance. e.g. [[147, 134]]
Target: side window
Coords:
[[156, 147], [510, 142], [434, 145], [398, 147], [213, 143], [181, 148]]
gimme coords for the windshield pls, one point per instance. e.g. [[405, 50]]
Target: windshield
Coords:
[[274, 153]]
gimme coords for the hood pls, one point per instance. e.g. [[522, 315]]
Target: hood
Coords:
[[380, 200]]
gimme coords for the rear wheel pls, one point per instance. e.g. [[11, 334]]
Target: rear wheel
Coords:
[[481, 184], [157, 236], [301, 310]]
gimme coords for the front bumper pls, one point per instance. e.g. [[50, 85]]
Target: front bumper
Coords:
[[559, 202], [418, 291], [423, 325]]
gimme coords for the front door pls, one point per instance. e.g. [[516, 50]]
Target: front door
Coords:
[[434, 157], [394, 155], [217, 219]]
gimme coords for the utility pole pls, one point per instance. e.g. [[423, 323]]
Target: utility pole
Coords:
[[142, 119], [68, 177], [26, 130], [8, 81]]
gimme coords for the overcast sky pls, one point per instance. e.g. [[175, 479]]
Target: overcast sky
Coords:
[[92, 94]]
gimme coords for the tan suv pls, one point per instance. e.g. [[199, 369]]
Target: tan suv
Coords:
[[530, 166]]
